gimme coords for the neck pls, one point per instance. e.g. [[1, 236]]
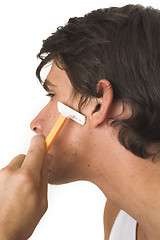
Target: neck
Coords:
[[146, 206], [133, 185]]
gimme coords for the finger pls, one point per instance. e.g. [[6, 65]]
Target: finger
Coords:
[[44, 175], [43, 185], [35, 155], [17, 162]]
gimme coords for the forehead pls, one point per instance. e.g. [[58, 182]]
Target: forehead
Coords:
[[58, 78]]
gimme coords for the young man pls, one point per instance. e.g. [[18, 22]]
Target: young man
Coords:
[[106, 65]]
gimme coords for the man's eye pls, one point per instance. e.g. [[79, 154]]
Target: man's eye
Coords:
[[51, 95]]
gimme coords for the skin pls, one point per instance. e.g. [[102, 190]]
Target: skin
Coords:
[[91, 152]]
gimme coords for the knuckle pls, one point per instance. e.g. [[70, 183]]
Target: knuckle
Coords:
[[6, 175], [21, 156], [6, 171], [25, 178]]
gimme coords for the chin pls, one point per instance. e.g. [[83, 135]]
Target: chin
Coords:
[[58, 179]]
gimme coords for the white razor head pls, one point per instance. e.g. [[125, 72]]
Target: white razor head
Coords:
[[70, 113]]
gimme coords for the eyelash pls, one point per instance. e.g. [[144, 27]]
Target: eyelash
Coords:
[[51, 95]]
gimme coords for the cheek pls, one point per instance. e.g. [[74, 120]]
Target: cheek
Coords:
[[50, 121], [73, 136], [68, 137], [69, 152], [69, 143]]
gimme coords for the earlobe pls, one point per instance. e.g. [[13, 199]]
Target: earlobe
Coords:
[[101, 108]]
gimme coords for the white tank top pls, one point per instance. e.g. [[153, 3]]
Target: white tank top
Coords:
[[124, 227]]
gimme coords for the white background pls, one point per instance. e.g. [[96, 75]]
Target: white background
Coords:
[[76, 209]]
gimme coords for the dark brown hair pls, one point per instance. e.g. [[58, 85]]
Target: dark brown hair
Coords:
[[123, 46]]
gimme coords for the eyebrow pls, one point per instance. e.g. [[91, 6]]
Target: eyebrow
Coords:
[[47, 84]]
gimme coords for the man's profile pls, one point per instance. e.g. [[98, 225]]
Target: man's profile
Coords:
[[105, 65]]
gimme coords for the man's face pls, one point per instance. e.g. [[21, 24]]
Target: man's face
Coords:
[[70, 147]]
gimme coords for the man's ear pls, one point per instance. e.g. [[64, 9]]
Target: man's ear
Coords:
[[102, 105]]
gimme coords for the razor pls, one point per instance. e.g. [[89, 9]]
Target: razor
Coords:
[[66, 112]]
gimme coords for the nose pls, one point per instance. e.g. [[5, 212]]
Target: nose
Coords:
[[37, 125]]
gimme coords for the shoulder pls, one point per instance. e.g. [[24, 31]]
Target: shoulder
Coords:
[[110, 214]]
